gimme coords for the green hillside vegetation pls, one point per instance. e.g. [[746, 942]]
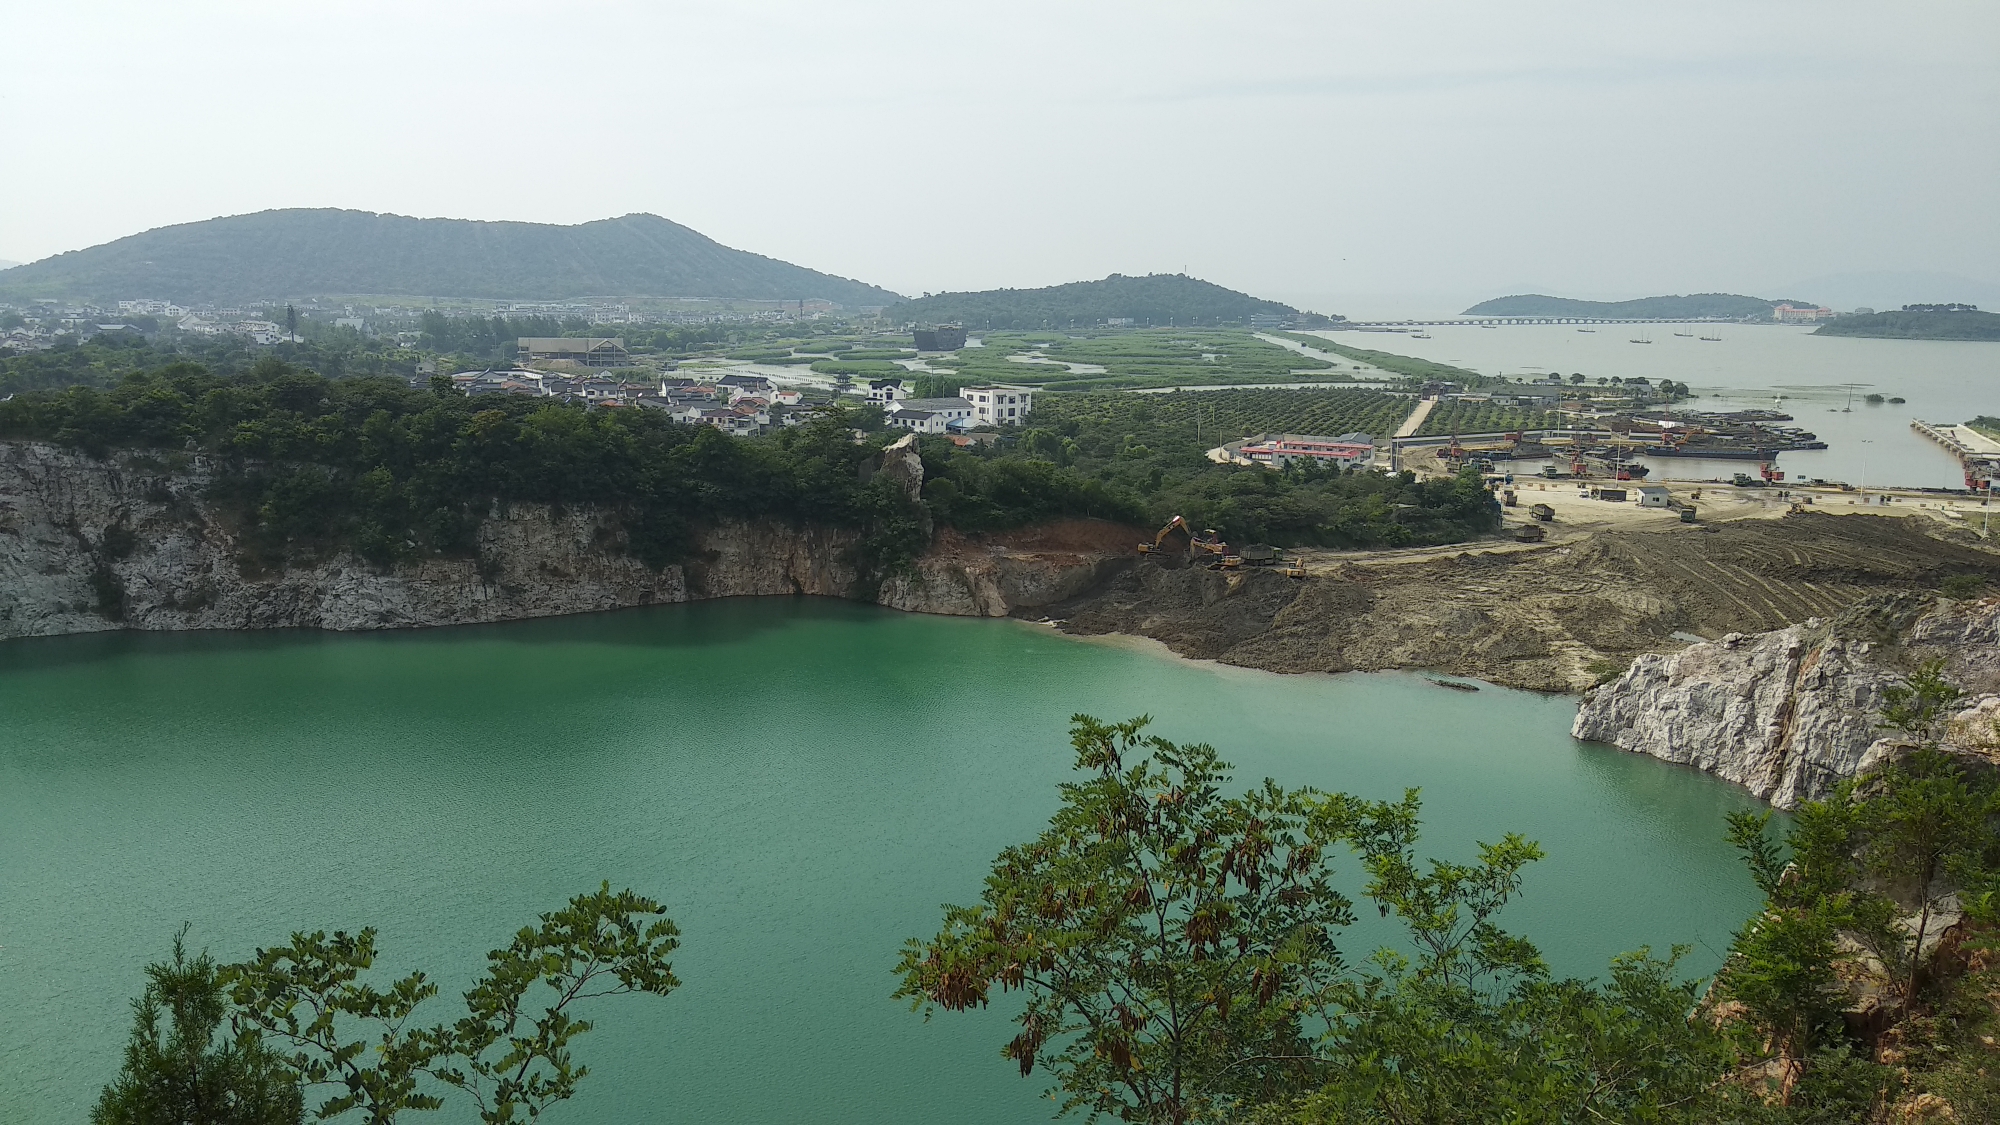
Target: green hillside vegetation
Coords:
[[1153, 449], [303, 252], [1729, 306], [1226, 415], [1131, 359], [1988, 425], [1969, 325], [309, 467], [1155, 299]]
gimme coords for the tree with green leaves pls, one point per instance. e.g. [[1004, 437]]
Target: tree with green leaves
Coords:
[[306, 1020], [1853, 890], [1165, 934], [1177, 951], [188, 1072]]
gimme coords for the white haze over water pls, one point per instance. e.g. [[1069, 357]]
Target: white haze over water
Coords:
[[1317, 151]]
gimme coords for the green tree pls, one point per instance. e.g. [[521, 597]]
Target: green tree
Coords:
[[187, 1072], [1177, 950], [338, 1032], [1164, 934]]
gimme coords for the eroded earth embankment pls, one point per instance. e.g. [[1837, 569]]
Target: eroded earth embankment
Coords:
[[1557, 618]]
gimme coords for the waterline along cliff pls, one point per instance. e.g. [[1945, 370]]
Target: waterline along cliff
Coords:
[[126, 542], [1816, 614]]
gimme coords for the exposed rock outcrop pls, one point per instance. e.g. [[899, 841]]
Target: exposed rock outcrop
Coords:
[[131, 542], [1789, 714]]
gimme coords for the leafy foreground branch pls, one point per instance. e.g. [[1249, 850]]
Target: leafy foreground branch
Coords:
[[303, 1023], [1177, 948], [1179, 955]]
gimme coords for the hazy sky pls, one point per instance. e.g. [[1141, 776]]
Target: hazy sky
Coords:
[[1304, 150]]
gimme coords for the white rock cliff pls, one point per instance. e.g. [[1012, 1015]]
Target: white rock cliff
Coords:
[[129, 542], [1787, 714]]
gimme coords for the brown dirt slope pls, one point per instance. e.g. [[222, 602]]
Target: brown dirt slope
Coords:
[[1557, 618]]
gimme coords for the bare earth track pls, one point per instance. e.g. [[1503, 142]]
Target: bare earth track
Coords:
[[1558, 616]]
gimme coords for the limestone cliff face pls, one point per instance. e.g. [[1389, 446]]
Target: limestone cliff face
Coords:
[[130, 542], [1790, 713]]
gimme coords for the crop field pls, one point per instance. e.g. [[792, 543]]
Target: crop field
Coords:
[[1230, 414], [1453, 417], [1138, 359]]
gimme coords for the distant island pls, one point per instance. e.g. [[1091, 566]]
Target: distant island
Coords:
[[1155, 299], [1919, 322], [320, 252], [1694, 306]]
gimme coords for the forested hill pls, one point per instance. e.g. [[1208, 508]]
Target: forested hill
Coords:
[[1731, 305], [321, 252], [1915, 324], [1161, 298]]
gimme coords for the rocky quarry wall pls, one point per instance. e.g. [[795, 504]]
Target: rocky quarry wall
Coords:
[[1788, 714], [129, 543]]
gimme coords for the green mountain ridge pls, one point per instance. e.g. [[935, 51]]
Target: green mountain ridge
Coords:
[[1732, 306], [309, 252], [1157, 299]]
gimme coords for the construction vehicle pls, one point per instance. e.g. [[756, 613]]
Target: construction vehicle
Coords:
[[1510, 499], [1258, 554], [1293, 568], [1543, 513], [1531, 533], [1576, 466], [1770, 475], [1687, 513], [1207, 543]]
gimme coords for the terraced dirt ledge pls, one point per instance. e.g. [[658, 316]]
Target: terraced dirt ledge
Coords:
[[1559, 616]]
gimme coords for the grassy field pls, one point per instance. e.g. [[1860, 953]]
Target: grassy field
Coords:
[[1222, 416]]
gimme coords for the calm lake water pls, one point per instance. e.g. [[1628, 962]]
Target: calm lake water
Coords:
[[802, 781], [1943, 381]]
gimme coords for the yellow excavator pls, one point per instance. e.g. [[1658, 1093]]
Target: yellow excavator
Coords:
[[1205, 545]]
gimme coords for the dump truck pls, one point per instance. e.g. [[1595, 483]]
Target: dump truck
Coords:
[[1543, 513], [1531, 533], [1258, 554]]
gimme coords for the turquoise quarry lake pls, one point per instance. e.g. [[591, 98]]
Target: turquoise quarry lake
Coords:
[[802, 781]]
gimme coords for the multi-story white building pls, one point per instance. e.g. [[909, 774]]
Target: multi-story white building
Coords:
[[997, 404], [946, 411]]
